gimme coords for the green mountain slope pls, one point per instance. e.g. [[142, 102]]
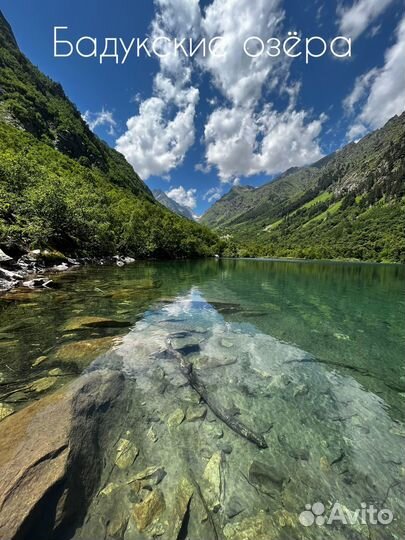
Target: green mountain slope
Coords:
[[62, 187], [347, 205], [33, 102]]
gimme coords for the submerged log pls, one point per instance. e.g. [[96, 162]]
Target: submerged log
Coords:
[[196, 383]]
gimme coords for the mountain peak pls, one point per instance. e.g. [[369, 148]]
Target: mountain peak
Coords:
[[172, 205]]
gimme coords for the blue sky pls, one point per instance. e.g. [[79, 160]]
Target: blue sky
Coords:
[[195, 128]]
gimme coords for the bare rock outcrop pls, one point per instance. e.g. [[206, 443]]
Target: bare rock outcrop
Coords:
[[50, 461]]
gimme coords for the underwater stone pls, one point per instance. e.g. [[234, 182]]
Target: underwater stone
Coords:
[[109, 489], [213, 482], [149, 477], [213, 430], [5, 410], [151, 434], [184, 492], [117, 525], [127, 452], [41, 385], [83, 352], [265, 477], [80, 323], [196, 413], [176, 418], [149, 510], [252, 528], [39, 361], [56, 372]]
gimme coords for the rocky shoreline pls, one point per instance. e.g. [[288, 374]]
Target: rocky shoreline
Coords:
[[31, 269]]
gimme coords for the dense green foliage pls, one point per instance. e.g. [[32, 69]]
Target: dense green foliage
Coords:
[[349, 205], [62, 187], [48, 199], [32, 101]]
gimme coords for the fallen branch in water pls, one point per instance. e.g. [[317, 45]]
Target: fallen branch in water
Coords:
[[236, 426]]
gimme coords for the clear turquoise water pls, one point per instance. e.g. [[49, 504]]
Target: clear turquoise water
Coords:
[[348, 315], [308, 354]]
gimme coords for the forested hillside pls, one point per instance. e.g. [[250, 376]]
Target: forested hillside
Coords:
[[349, 205], [62, 187]]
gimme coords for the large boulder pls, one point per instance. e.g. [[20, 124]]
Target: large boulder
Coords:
[[50, 461]]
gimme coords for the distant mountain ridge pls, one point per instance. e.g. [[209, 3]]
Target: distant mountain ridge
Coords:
[[172, 205], [327, 209]]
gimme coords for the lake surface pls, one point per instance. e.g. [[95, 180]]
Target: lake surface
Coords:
[[309, 355]]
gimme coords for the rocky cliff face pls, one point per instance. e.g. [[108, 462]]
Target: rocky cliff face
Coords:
[[172, 205]]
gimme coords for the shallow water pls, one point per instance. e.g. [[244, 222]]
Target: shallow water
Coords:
[[308, 355]]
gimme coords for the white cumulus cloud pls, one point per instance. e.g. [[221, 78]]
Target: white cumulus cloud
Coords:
[[238, 76], [185, 197], [102, 118], [158, 137], [380, 93], [242, 135], [241, 142], [354, 20], [246, 137]]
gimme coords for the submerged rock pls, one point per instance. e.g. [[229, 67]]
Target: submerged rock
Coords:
[[109, 489], [49, 456], [39, 360], [252, 528], [83, 352], [149, 510], [41, 385], [148, 478], [204, 362], [55, 372], [182, 498], [127, 452], [212, 478], [116, 526], [80, 323], [5, 410], [213, 430], [196, 413], [176, 418], [151, 435], [265, 478]]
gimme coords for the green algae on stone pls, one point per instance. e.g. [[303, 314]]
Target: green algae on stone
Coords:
[[212, 478], [195, 413], [5, 410], [127, 452], [149, 510], [85, 322], [84, 351], [41, 385], [176, 418]]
